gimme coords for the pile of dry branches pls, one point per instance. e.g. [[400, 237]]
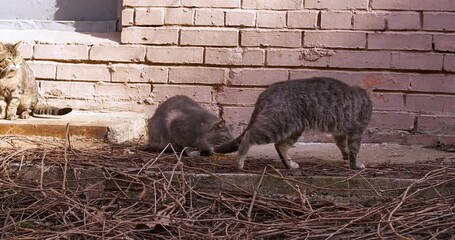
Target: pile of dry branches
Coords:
[[125, 194]]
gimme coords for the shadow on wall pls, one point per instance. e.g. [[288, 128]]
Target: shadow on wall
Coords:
[[89, 15]]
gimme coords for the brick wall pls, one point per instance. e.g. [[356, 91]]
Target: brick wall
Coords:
[[224, 53]]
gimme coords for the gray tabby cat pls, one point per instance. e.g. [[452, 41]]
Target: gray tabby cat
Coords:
[[184, 123], [18, 89], [286, 109]]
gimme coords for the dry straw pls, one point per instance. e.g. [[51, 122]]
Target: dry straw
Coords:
[[129, 194]]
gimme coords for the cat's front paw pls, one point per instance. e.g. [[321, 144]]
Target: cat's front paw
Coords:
[[357, 166], [194, 154], [11, 117], [24, 115], [293, 165]]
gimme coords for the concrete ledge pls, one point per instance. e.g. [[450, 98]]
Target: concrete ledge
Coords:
[[354, 189], [115, 127], [59, 37]]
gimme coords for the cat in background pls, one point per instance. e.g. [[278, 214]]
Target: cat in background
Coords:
[[18, 89], [185, 124], [286, 109]]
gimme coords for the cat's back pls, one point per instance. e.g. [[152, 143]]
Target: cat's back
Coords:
[[182, 107], [312, 91], [324, 103]]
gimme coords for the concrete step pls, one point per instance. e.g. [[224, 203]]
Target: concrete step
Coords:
[[115, 127]]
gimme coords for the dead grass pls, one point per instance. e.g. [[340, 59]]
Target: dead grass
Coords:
[[137, 195]]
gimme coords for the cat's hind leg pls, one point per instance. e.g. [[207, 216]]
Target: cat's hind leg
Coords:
[[244, 146], [354, 141], [341, 141], [282, 148]]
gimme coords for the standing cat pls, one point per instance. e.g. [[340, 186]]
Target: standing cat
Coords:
[[185, 124], [18, 89], [286, 109]]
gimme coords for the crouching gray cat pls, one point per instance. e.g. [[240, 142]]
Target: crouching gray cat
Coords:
[[286, 109], [18, 89], [185, 124]]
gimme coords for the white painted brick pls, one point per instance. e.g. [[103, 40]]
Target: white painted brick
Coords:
[[234, 56], [257, 77], [444, 42], [435, 5], [175, 54], [209, 37], [238, 117], [138, 73], [118, 53], [43, 70], [272, 4], [212, 3], [387, 101], [178, 16], [292, 58], [209, 17], [382, 80], [432, 83], [417, 61], [273, 38], [148, 16], [335, 39], [404, 21], [26, 50], [391, 4], [128, 17], [301, 74], [302, 19], [253, 57], [271, 19], [202, 94], [369, 21], [400, 41], [438, 21], [67, 90], [149, 35], [238, 96], [154, 3], [336, 20], [449, 62], [119, 91], [361, 59], [67, 52], [83, 72], [336, 5], [197, 75], [241, 18]]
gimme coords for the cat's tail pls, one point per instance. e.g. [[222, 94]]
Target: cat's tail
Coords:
[[231, 146], [44, 109]]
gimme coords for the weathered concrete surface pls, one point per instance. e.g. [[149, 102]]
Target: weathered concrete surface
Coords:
[[355, 189], [370, 153], [115, 127]]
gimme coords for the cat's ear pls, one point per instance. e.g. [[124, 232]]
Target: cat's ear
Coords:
[[2, 47], [219, 125], [17, 45]]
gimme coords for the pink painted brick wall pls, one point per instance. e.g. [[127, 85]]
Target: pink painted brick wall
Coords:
[[223, 53]]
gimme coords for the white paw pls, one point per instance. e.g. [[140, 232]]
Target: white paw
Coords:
[[358, 166], [293, 165], [194, 154], [239, 166]]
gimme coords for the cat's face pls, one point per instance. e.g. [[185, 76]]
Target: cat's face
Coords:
[[10, 60], [220, 133]]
